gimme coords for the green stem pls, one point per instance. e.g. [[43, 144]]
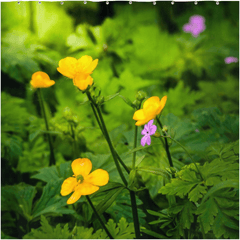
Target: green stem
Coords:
[[134, 146], [99, 218], [166, 145], [74, 141], [105, 133], [135, 214], [132, 193], [111, 147], [187, 154], [52, 157], [96, 116]]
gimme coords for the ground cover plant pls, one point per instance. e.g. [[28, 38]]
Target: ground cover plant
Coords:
[[120, 120]]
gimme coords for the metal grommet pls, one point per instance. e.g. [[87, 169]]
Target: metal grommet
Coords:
[[172, 2], [154, 3], [195, 2], [130, 2], [217, 2], [107, 2], [18, 2], [39, 2], [61, 3], [85, 2]]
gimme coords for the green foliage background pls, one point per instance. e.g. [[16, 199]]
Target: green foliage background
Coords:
[[140, 47]]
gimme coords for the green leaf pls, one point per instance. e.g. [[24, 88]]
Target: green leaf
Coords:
[[219, 212], [152, 233], [48, 232], [124, 230], [53, 173], [186, 183], [157, 171], [127, 101], [18, 198], [110, 97], [108, 198], [51, 201], [121, 207], [226, 184]]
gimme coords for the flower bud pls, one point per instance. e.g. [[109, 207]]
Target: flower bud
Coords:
[[67, 113], [156, 134], [100, 100], [165, 129], [141, 95]]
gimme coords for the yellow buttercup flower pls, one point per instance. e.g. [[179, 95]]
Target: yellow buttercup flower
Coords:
[[151, 108], [83, 183], [41, 80], [78, 69]]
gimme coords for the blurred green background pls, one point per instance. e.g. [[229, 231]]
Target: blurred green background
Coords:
[[140, 47]]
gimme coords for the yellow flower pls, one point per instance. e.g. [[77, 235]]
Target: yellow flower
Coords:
[[41, 80], [78, 69], [151, 108], [83, 183]]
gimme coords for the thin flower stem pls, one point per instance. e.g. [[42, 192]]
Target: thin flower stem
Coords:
[[52, 157], [111, 147], [187, 154], [132, 193], [134, 146], [96, 116], [99, 218], [135, 214], [74, 141], [102, 126], [166, 145]]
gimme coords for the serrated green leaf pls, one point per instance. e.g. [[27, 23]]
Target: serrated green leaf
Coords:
[[108, 198], [18, 198], [51, 201]]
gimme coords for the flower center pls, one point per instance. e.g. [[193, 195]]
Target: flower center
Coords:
[[80, 178]]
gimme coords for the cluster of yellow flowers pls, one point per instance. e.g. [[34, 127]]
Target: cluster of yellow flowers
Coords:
[[83, 183]]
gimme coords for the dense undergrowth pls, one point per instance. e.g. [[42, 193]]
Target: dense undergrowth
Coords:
[[139, 47]]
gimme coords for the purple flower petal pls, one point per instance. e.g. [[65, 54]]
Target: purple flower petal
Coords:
[[148, 140], [150, 123], [187, 27], [144, 140], [144, 131], [153, 129], [229, 60], [195, 26]]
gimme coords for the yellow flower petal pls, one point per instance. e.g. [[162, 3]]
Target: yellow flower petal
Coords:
[[41, 80], [91, 67], [68, 67], [82, 81], [81, 166], [139, 115], [151, 101], [98, 177], [68, 186], [162, 104], [86, 188], [75, 196]]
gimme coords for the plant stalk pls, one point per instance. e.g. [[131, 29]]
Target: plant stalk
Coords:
[[74, 141], [99, 218], [166, 145], [105, 133], [100, 125], [135, 214], [187, 154], [132, 193], [52, 157]]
